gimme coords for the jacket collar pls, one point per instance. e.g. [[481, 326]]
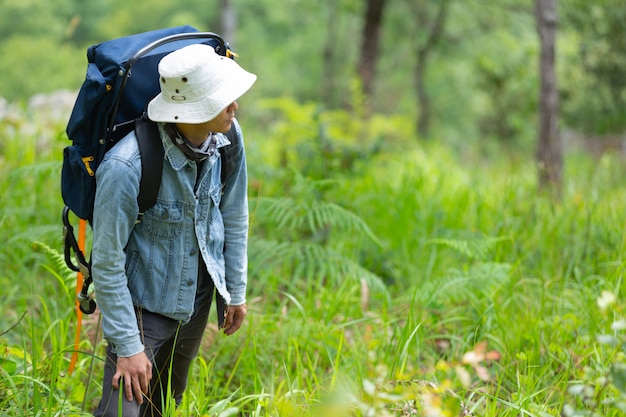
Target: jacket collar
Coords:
[[177, 158]]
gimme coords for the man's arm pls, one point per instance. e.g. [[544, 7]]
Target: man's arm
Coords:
[[115, 212], [234, 209]]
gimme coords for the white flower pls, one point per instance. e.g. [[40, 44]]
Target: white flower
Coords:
[[618, 325], [606, 299]]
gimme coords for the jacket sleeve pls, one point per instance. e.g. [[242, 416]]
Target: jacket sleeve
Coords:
[[234, 209], [114, 217]]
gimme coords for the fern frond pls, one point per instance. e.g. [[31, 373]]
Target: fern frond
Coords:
[[268, 253], [315, 217], [55, 256], [284, 212], [481, 281], [325, 214], [309, 261], [479, 285], [474, 248], [63, 274], [304, 224]]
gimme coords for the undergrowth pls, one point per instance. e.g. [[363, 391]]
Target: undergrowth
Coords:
[[392, 278]]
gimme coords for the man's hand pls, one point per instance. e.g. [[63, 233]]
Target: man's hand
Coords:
[[234, 318], [136, 373]]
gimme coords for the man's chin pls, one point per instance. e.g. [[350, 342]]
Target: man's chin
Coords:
[[227, 127]]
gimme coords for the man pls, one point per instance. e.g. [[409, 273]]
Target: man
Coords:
[[155, 279]]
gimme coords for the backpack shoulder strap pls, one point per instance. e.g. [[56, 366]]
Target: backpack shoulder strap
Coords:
[[230, 153], [151, 151]]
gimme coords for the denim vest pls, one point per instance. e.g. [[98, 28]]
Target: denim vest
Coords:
[[153, 265]]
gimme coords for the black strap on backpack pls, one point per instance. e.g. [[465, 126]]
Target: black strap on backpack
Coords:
[[229, 153], [151, 151]]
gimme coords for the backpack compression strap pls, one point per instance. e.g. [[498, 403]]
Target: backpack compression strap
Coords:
[[229, 153], [151, 151]]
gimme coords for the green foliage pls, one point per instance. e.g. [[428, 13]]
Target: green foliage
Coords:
[[323, 143], [33, 70], [121, 18], [473, 248], [481, 78], [599, 388], [504, 81], [595, 102], [387, 277], [38, 19], [310, 240]]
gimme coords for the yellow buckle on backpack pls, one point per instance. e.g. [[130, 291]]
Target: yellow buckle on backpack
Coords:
[[86, 161]]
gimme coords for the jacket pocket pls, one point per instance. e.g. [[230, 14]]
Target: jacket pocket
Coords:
[[164, 220]]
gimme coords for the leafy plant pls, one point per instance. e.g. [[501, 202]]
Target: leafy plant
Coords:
[[600, 389], [311, 240]]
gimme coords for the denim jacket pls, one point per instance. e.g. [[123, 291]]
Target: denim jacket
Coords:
[[153, 264]]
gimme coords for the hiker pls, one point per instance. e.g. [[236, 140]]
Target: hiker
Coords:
[[155, 278]]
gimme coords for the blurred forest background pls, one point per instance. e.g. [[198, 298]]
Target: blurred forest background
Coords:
[[465, 71]]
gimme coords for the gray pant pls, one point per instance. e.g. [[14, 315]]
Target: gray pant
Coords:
[[171, 347]]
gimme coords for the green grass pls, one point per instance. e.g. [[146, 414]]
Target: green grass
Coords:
[[417, 281]]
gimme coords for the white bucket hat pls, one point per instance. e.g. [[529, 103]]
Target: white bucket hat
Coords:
[[196, 85]]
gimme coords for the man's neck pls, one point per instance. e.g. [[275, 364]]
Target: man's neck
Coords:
[[194, 133]]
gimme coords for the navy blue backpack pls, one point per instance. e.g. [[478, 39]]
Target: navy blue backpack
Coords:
[[122, 77]]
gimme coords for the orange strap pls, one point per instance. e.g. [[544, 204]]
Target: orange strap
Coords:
[[82, 228]]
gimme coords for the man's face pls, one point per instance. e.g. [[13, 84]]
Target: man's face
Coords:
[[222, 122]]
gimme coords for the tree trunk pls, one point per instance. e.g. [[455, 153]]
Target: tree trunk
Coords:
[[549, 149], [228, 22], [369, 45], [327, 87], [423, 51]]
